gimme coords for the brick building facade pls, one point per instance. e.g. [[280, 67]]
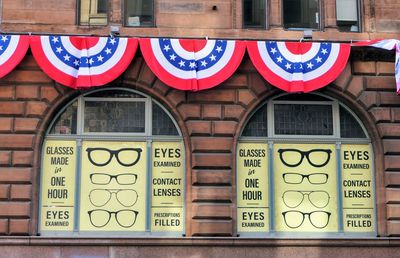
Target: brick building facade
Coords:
[[211, 122]]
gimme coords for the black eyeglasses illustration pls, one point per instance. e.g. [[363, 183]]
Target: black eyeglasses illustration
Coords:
[[294, 218], [105, 179], [127, 157], [294, 157], [293, 199], [100, 197], [314, 178], [125, 218]]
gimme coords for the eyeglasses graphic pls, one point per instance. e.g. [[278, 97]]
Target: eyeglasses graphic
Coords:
[[100, 197], [293, 199], [314, 178], [126, 157], [125, 218], [105, 179], [294, 157], [294, 218]]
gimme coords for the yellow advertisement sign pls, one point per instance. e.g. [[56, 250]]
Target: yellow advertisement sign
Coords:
[[305, 188], [58, 186], [252, 187], [167, 219], [113, 186], [167, 186], [357, 186], [252, 219]]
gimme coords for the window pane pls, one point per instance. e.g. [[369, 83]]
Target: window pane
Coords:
[[66, 123], [101, 6], [162, 123], [303, 119], [113, 116], [254, 13], [257, 125], [139, 13], [93, 12], [347, 15], [301, 14], [349, 126]]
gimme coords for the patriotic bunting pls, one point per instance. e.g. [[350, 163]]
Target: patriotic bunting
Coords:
[[80, 62], [187, 64], [387, 44], [297, 66], [12, 50]]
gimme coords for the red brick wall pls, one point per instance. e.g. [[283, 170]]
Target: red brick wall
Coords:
[[210, 121], [25, 96]]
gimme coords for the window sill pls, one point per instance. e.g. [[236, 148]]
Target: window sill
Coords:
[[201, 241]]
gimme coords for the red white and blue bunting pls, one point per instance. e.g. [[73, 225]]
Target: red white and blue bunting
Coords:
[[297, 66], [12, 50], [82, 62], [388, 44], [184, 64], [187, 64]]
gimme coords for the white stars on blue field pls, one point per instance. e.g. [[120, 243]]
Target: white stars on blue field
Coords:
[[85, 61], [299, 67], [192, 64]]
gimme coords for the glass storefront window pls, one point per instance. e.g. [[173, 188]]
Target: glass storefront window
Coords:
[[311, 173], [112, 164]]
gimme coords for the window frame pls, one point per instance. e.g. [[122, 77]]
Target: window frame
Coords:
[[335, 116], [90, 14], [80, 137], [125, 16], [264, 24], [272, 139], [320, 18], [271, 123], [81, 115], [359, 17]]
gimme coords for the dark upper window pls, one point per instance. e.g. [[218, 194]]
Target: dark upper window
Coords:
[[254, 13], [301, 14], [139, 13]]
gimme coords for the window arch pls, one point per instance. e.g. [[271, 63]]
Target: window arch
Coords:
[[112, 164], [305, 166]]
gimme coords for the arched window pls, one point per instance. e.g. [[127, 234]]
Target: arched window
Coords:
[[112, 164], [305, 166]]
